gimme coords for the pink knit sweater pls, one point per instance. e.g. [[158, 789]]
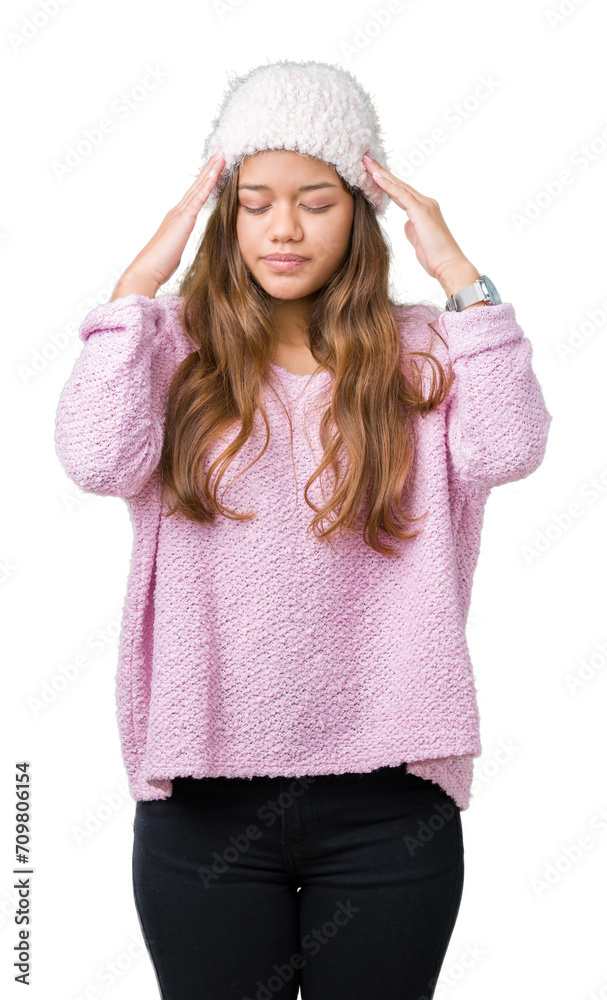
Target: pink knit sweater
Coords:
[[251, 648]]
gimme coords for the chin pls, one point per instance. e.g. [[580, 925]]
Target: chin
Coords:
[[280, 290]]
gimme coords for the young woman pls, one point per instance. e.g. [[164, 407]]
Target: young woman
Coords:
[[295, 697]]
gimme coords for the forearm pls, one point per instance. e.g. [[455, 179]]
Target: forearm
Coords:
[[135, 282]]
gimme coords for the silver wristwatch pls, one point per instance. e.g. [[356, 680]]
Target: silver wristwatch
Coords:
[[482, 290]]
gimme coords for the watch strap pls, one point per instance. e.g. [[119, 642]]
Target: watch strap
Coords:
[[476, 292]]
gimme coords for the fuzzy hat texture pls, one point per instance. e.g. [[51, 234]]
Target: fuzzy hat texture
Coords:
[[315, 109]]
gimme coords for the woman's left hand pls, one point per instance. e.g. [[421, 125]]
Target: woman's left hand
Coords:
[[435, 246]]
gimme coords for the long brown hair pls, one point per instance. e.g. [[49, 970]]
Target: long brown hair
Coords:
[[353, 333]]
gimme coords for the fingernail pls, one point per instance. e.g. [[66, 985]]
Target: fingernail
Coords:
[[369, 157]]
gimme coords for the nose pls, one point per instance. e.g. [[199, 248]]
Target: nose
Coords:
[[284, 224]]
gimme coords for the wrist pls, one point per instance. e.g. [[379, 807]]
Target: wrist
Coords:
[[458, 277]]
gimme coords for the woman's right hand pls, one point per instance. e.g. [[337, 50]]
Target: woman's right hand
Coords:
[[161, 257]]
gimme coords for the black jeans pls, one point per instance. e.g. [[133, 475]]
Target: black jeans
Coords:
[[346, 886]]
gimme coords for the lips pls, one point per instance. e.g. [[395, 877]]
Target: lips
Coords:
[[284, 264], [286, 256]]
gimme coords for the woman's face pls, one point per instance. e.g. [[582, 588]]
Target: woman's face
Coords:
[[278, 217]]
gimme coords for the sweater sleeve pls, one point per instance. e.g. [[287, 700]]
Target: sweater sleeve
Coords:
[[109, 423], [497, 420]]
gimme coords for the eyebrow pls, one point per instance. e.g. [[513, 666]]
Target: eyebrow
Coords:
[[304, 187]]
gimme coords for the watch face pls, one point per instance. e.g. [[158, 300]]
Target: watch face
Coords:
[[493, 292]]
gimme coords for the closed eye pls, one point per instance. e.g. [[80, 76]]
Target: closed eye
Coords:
[[257, 211]]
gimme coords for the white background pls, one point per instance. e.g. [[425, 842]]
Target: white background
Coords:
[[538, 603]]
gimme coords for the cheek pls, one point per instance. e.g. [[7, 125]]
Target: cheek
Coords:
[[244, 236], [332, 242]]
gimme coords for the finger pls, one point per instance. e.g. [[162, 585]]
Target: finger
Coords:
[[383, 175], [204, 183], [389, 181], [404, 196], [212, 168]]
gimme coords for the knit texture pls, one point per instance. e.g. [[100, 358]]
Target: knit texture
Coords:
[[313, 108], [250, 647]]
